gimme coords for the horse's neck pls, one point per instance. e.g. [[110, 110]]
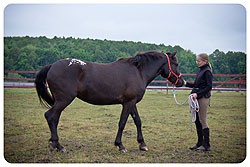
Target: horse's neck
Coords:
[[151, 71]]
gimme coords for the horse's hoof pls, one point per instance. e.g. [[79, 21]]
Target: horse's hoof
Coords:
[[51, 147], [56, 145], [144, 148], [63, 150], [123, 150]]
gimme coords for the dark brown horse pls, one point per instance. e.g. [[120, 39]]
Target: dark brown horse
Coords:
[[121, 82]]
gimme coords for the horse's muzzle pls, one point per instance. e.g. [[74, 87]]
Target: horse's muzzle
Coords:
[[180, 83]]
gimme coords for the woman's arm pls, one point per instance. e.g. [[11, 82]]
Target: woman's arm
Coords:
[[187, 84]]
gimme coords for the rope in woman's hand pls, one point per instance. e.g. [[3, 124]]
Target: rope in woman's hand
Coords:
[[193, 106]]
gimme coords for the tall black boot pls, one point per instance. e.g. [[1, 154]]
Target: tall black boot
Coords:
[[205, 145], [199, 134]]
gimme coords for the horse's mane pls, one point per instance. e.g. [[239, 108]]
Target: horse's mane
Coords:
[[143, 58]]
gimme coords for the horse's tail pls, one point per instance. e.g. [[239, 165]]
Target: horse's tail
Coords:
[[45, 98]]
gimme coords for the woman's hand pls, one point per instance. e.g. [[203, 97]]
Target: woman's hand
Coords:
[[194, 95], [185, 83]]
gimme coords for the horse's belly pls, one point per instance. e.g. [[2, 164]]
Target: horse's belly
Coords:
[[98, 98], [99, 101]]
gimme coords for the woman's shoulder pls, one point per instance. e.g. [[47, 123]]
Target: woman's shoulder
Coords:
[[206, 68]]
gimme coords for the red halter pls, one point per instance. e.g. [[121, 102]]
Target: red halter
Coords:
[[171, 72]]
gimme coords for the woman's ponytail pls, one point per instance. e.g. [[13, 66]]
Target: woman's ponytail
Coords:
[[209, 64]]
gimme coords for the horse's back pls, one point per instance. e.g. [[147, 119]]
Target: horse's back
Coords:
[[95, 83]]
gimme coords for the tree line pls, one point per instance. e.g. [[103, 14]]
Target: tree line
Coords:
[[32, 53]]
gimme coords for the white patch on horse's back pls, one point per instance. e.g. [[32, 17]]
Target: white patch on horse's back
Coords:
[[75, 61]]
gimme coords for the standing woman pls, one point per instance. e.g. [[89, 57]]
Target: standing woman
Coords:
[[201, 91]]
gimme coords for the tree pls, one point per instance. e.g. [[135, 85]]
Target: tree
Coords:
[[32, 53]]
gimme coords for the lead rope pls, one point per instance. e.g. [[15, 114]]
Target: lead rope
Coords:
[[193, 106]]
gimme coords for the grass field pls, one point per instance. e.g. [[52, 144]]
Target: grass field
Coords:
[[88, 132]]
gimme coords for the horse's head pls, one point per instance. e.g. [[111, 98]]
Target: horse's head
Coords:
[[170, 70]]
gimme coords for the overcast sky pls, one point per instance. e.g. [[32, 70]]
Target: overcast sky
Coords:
[[199, 28]]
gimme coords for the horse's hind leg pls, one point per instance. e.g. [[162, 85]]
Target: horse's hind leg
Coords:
[[52, 116]]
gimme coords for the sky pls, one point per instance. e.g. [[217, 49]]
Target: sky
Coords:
[[201, 28]]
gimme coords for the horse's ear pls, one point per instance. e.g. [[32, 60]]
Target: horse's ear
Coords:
[[173, 54], [168, 53]]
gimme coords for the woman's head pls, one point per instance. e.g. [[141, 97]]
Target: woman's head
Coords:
[[202, 59]]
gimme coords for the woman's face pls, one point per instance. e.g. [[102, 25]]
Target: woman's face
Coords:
[[200, 62]]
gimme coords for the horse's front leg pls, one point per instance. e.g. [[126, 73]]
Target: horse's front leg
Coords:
[[123, 119], [137, 121]]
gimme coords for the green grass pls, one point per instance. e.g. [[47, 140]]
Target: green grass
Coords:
[[88, 132]]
